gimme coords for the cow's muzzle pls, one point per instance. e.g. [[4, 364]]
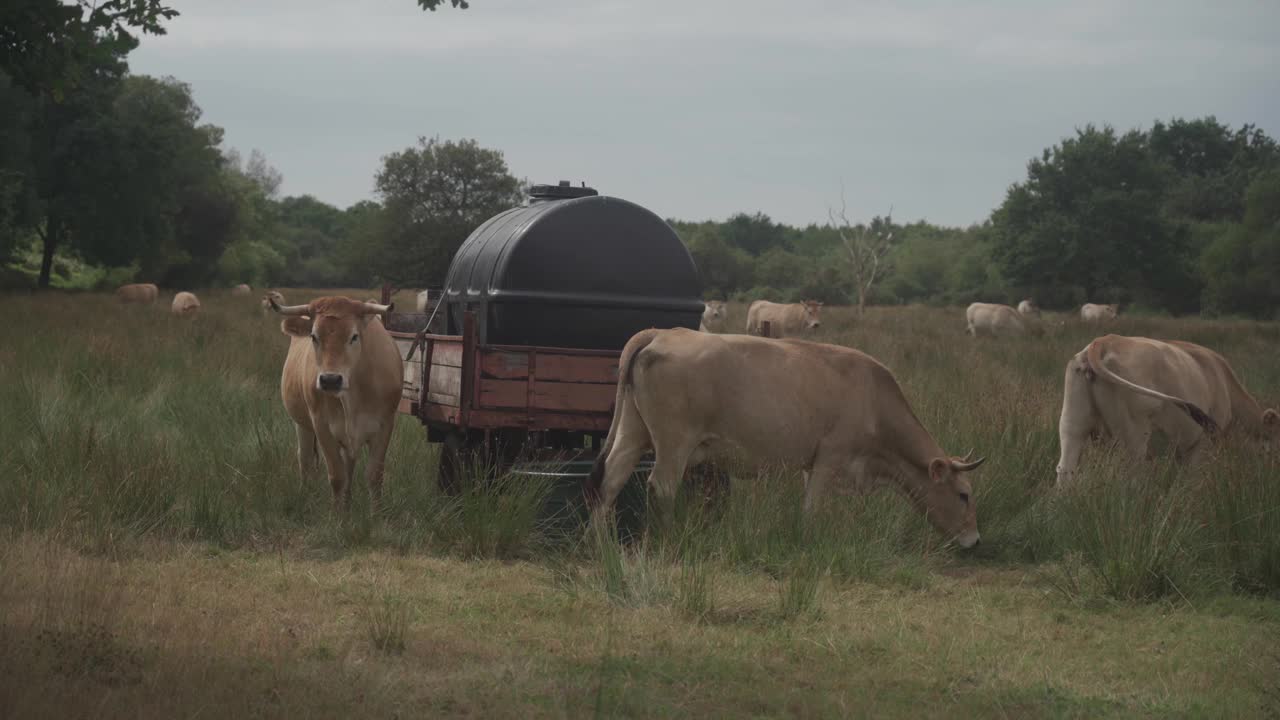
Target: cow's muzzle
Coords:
[[330, 382], [969, 540]]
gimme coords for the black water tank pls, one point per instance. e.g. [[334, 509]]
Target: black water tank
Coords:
[[572, 269]]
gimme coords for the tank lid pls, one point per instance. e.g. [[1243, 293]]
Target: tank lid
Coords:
[[562, 191]]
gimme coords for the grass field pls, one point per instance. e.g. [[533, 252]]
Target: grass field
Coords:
[[159, 556]]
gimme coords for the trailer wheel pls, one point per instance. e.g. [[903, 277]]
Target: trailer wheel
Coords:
[[453, 466]]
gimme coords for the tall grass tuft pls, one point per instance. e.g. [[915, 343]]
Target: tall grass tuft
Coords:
[[500, 517], [387, 620], [1134, 531], [799, 592], [695, 592], [1239, 503]]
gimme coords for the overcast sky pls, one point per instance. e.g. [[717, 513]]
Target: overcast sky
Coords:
[[697, 110]]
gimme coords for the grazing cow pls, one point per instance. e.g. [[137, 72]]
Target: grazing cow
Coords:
[[1029, 307], [341, 385], [266, 300], [1128, 386], [714, 315], [138, 292], [998, 320], [784, 320], [833, 411], [241, 289], [424, 301], [185, 303], [1098, 313]]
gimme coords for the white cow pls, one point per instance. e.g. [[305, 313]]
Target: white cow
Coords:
[[999, 320], [1126, 387], [714, 316], [1090, 312]]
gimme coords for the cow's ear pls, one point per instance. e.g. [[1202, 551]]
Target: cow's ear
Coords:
[[938, 469], [1271, 417], [296, 325]]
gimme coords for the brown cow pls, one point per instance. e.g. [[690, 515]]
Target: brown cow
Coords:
[[241, 289], [833, 411], [341, 385], [185, 303], [138, 292], [784, 320], [1129, 386]]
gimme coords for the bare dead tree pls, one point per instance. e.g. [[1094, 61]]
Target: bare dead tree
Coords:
[[867, 246]]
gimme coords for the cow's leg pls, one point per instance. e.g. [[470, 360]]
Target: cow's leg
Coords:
[[306, 452], [1077, 421], [817, 481], [350, 455], [376, 463], [336, 464], [630, 440]]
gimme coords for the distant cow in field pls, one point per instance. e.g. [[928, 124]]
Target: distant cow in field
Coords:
[[241, 289], [1028, 307], [1090, 312], [1129, 386], [833, 411], [268, 298], [784, 320], [999, 320], [138, 293], [185, 303], [424, 301], [714, 315], [341, 385]]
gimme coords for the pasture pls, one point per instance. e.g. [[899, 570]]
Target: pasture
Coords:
[[160, 557]]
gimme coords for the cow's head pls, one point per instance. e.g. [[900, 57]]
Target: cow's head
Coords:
[[713, 310], [335, 326], [948, 499], [1111, 311], [1271, 425], [811, 310]]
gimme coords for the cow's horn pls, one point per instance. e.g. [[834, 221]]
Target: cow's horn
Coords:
[[288, 309], [962, 466], [371, 308]]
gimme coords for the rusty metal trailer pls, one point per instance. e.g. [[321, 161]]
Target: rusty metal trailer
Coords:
[[495, 403]]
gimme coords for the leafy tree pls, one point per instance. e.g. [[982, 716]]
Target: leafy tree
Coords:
[[433, 196], [18, 206], [755, 233], [50, 46], [781, 268], [75, 148], [433, 4], [724, 269], [1242, 266], [1212, 166], [1087, 223]]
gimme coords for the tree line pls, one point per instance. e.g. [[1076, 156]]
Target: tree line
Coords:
[[108, 176]]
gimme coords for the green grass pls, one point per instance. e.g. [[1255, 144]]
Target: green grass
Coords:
[[158, 552]]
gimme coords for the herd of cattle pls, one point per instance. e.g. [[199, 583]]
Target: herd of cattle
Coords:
[[688, 396]]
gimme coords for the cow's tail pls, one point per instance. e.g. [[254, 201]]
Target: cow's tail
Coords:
[[638, 342], [1094, 355]]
